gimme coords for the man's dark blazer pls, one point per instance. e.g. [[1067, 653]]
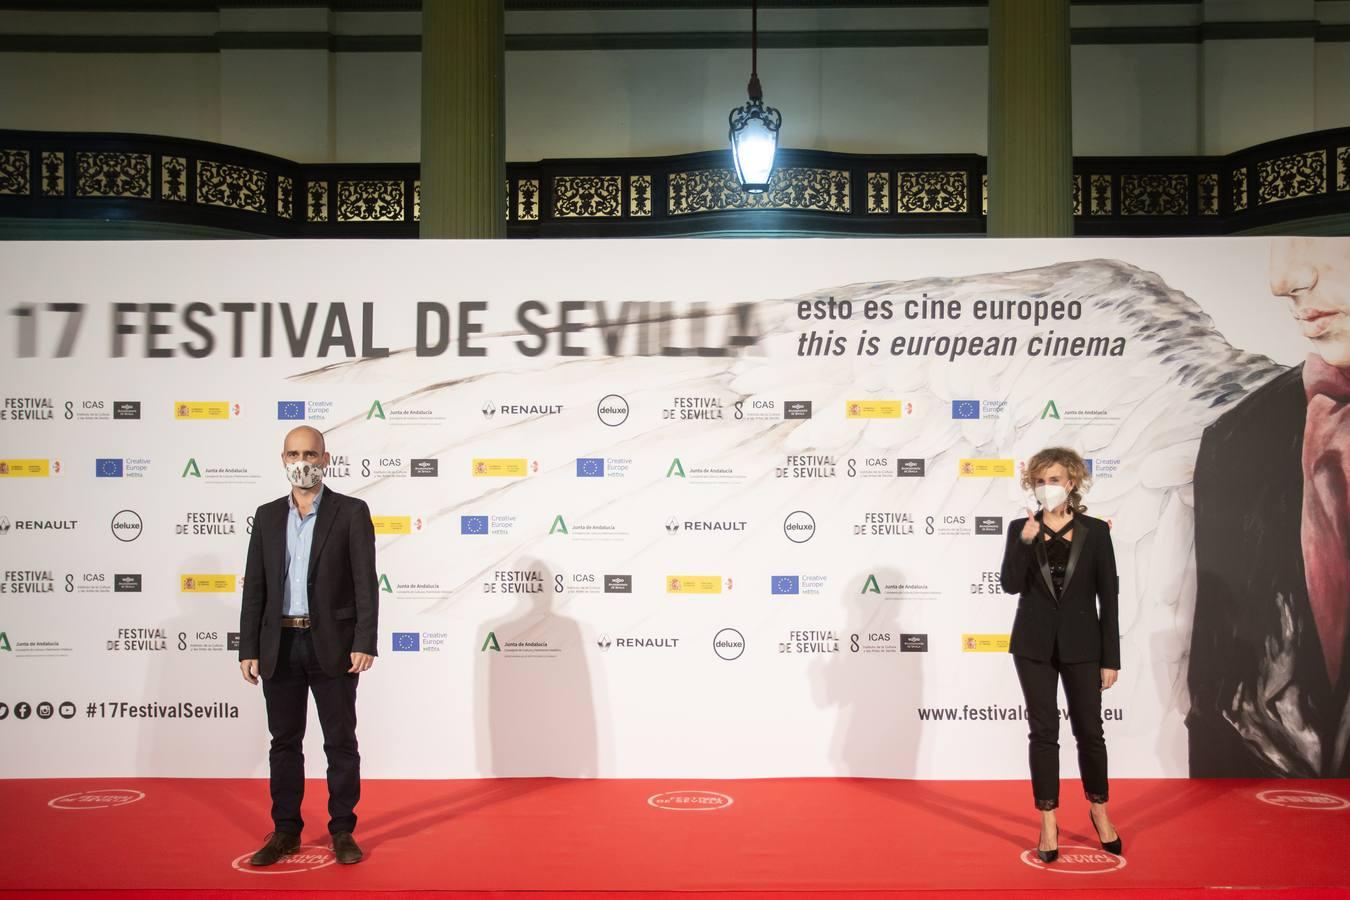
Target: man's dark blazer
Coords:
[[1262, 704], [343, 585], [1074, 622]]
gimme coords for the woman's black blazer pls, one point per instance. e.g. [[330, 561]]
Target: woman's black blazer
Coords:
[[1084, 620]]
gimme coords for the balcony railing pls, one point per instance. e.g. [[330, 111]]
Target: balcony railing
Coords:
[[67, 175]]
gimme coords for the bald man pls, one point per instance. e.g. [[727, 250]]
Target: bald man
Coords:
[[1269, 670], [308, 625]]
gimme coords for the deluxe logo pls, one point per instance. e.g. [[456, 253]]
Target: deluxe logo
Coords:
[[214, 410], [395, 524], [127, 583], [484, 467], [729, 644], [1294, 799], [305, 859], [126, 525], [1076, 859], [96, 799], [693, 409], [425, 468], [693, 584], [989, 525], [984, 643], [799, 526], [985, 468], [206, 584], [873, 409], [910, 468], [690, 801], [612, 410], [206, 524], [27, 409], [27, 468]]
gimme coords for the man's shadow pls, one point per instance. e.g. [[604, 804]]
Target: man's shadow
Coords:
[[534, 705]]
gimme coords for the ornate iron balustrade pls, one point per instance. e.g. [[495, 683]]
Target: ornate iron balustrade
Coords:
[[156, 179]]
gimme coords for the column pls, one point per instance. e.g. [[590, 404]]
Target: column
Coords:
[[463, 119], [1030, 133]]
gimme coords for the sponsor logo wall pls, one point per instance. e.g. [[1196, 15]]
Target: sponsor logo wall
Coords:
[[640, 510]]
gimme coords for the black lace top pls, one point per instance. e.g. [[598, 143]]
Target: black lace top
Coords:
[[1057, 552]]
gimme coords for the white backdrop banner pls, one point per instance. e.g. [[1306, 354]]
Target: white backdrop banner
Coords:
[[643, 508]]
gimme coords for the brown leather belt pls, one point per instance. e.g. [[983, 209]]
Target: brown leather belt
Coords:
[[295, 621]]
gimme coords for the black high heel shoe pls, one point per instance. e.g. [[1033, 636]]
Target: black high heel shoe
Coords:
[[1109, 846], [1049, 856]]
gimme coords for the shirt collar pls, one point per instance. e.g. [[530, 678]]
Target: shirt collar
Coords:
[[318, 495]]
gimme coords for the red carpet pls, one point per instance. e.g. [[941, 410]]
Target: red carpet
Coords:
[[828, 836]]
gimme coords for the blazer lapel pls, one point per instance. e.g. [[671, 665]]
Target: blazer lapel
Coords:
[[323, 523], [1080, 534]]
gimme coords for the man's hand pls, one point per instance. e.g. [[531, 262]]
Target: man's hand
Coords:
[[1109, 677], [1032, 528], [249, 668], [361, 662]]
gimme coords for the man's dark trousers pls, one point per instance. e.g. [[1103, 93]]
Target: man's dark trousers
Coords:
[[287, 694]]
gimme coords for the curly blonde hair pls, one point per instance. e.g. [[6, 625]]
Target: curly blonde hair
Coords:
[[1073, 464]]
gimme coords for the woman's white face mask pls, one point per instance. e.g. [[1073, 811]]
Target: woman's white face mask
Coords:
[[1051, 496]]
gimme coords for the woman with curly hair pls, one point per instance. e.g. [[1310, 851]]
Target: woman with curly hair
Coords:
[[1061, 563]]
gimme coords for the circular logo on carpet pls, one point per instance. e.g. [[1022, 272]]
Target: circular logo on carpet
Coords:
[[308, 858], [1075, 859], [96, 799], [1302, 799], [689, 801]]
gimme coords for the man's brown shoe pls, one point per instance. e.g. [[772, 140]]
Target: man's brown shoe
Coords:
[[345, 848], [279, 844]]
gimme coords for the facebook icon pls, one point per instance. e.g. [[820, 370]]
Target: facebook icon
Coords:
[[108, 468], [291, 409], [965, 409], [473, 524]]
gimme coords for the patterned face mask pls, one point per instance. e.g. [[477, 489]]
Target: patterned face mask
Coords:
[[303, 474]]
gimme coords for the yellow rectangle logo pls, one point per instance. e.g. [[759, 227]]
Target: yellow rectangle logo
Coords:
[[500, 468], [201, 409], [25, 468], [206, 584], [984, 643], [392, 524], [872, 409], [986, 468], [693, 584]]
